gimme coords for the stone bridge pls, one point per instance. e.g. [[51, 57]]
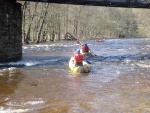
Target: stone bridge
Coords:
[[10, 31], [11, 21]]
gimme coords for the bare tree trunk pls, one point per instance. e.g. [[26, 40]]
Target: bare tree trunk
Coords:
[[24, 11], [31, 21], [67, 19], [77, 21], [39, 34], [53, 36], [59, 32]]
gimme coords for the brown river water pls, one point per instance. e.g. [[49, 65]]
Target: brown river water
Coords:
[[119, 81]]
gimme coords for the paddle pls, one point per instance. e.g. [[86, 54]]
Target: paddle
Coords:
[[80, 43], [88, 62]]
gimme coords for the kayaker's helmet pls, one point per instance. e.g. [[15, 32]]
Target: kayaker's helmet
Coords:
[[78, 50], [85, 44]]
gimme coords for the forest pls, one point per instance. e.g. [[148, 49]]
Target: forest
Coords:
[[42, 22]]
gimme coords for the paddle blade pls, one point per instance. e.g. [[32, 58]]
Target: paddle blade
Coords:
[[88, 62]]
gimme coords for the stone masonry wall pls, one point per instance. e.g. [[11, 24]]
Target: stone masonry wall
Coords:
[[10, 31]]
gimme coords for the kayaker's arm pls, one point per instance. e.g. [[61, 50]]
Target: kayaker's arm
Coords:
[[79, 42]]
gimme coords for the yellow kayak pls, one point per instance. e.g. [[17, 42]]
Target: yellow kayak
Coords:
[[79, 69]]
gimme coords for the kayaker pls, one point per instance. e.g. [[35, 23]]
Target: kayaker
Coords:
[[85, 49], [78, 58]]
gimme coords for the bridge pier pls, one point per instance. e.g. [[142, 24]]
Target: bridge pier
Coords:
[[10, 31]]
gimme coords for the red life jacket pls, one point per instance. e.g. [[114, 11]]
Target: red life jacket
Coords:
[[78, 58], [86, 49]]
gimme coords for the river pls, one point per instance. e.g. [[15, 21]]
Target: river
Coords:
[[119, 81]]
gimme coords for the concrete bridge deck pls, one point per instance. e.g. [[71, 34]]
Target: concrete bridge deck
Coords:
[[108, 3]]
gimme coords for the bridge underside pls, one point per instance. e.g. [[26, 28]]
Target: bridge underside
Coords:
[[108, 3]]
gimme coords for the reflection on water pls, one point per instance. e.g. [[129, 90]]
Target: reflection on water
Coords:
[[42, 83], [9, 79]]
